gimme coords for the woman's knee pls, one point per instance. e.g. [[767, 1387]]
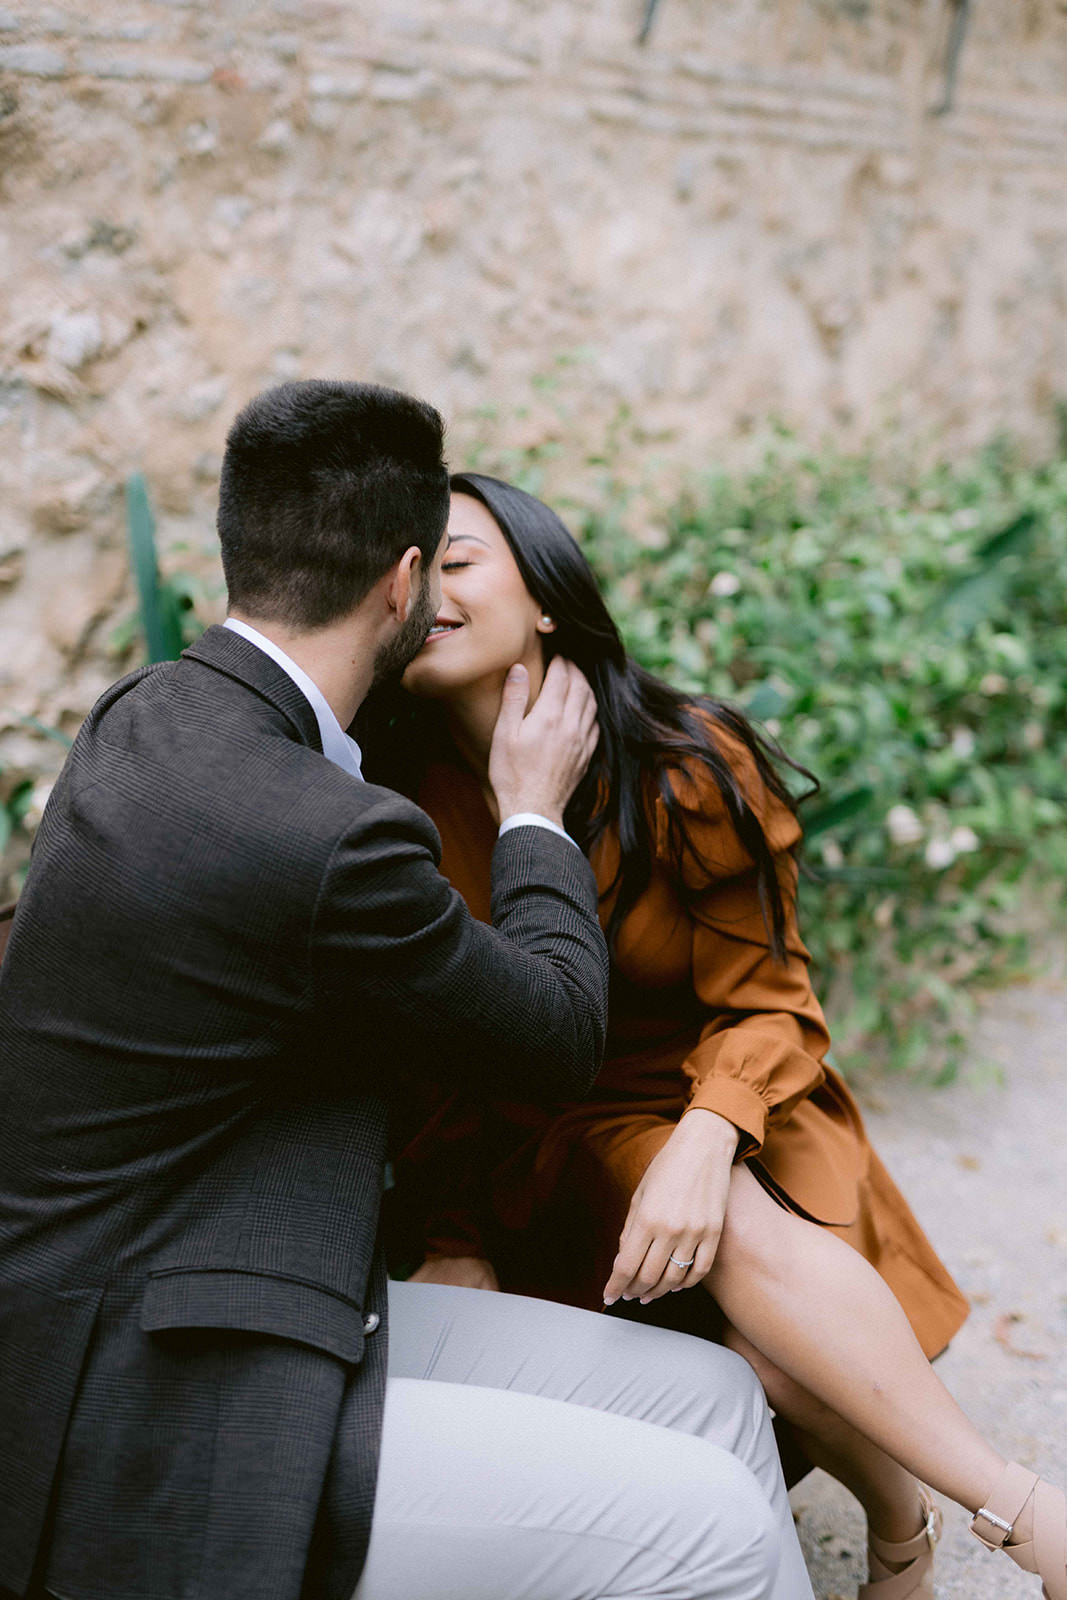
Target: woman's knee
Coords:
[[779, 1390], [773, 1382]]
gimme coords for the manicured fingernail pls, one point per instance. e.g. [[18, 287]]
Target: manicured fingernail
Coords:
[[609, 1300]]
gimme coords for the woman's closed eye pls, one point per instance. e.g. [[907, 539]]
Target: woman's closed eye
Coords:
[[454, 566]]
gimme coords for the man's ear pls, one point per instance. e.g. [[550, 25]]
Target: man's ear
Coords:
[[400, 592]]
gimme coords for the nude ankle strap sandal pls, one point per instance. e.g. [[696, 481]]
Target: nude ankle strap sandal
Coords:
[[1046, 1552], [916, 1581]]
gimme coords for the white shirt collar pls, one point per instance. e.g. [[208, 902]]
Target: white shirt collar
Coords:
[[336, 745]]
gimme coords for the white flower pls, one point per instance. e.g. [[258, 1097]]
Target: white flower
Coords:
[[963, 743], [724, 584], [963, 840], [939, 853], [902, 825], [1033, 735], [993, 683], [883, 912], [832, 853]]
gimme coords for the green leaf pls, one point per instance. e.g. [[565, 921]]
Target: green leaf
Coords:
[[973, 597], [160, 611], [847, 806], [18, 801], [55, 734]]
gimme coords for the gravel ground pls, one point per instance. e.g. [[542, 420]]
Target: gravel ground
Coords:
[[984, 1164]]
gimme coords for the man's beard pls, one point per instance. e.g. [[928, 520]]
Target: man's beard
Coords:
[[395, 657]]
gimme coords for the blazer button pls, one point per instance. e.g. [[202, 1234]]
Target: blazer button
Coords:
[[371, 1321]]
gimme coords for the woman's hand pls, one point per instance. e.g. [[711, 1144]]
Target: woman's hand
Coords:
[[677, 1210], [462, 1272]]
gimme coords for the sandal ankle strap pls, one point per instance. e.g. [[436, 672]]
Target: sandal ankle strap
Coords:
[[994, 1523], [896, 1551]]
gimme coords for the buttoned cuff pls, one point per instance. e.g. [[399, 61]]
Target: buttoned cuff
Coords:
[[533, 819]]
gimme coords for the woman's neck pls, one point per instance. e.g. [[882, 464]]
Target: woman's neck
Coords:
[[471, 719]]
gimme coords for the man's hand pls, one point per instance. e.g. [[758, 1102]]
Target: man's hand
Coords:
[[462, 1272], [677, 1210], [538, 758]]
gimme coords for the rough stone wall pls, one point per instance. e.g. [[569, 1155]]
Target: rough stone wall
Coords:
[[758, 213]]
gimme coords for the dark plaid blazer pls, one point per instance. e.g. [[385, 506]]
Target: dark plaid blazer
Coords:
[[227, 957]]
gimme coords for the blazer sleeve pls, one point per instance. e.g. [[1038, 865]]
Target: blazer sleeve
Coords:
[[520, 1006], [761, 1048]]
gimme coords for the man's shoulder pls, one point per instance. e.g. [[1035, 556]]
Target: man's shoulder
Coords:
[[351, 815], [215, 751]]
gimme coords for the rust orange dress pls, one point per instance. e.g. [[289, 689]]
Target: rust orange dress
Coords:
[[700, 1015]]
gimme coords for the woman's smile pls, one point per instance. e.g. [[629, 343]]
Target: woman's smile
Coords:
[[442, 628], [485, 604]]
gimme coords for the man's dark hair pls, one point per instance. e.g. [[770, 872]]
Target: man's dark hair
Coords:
[[324, 486]]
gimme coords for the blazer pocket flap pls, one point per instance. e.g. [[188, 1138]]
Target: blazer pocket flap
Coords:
[[253, 1302]]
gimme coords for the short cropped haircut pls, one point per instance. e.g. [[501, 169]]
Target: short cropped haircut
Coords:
[[324, 485]]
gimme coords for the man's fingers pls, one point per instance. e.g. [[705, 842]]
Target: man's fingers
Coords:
[[514, 701], [579, 693], [589, 713], [569, 690], [553, 696]]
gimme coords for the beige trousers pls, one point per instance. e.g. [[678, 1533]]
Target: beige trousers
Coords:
[[532, 1451]]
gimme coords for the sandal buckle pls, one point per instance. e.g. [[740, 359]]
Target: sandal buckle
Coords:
[[1007, 1528], [930, 1529]]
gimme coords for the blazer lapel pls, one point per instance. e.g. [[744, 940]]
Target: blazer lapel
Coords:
[[227, 652]]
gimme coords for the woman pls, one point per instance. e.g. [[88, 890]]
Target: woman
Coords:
[[717, 1149]]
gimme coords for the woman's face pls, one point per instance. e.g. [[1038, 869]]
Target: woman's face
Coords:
[[488, 619]]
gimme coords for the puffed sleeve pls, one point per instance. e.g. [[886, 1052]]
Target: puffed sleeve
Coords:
[[760, 1051]]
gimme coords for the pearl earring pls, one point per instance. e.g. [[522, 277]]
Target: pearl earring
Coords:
[[546, 619]]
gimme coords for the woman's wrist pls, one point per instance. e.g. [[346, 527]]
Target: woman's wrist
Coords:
[[710, 1129]]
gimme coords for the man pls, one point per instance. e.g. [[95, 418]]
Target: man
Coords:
[[229, 953]]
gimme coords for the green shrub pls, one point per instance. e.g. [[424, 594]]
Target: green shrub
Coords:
[[903, 634], [907, 642]]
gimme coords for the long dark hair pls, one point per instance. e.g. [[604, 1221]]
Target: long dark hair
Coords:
[[648, 731]]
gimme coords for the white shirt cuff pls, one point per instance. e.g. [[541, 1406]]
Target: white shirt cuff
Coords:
[[532, 819]]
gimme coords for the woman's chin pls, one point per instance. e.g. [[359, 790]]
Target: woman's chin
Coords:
[[424, 680]]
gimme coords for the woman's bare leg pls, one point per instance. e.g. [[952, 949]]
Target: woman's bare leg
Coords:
[[888, 1493], [816, 1310]]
